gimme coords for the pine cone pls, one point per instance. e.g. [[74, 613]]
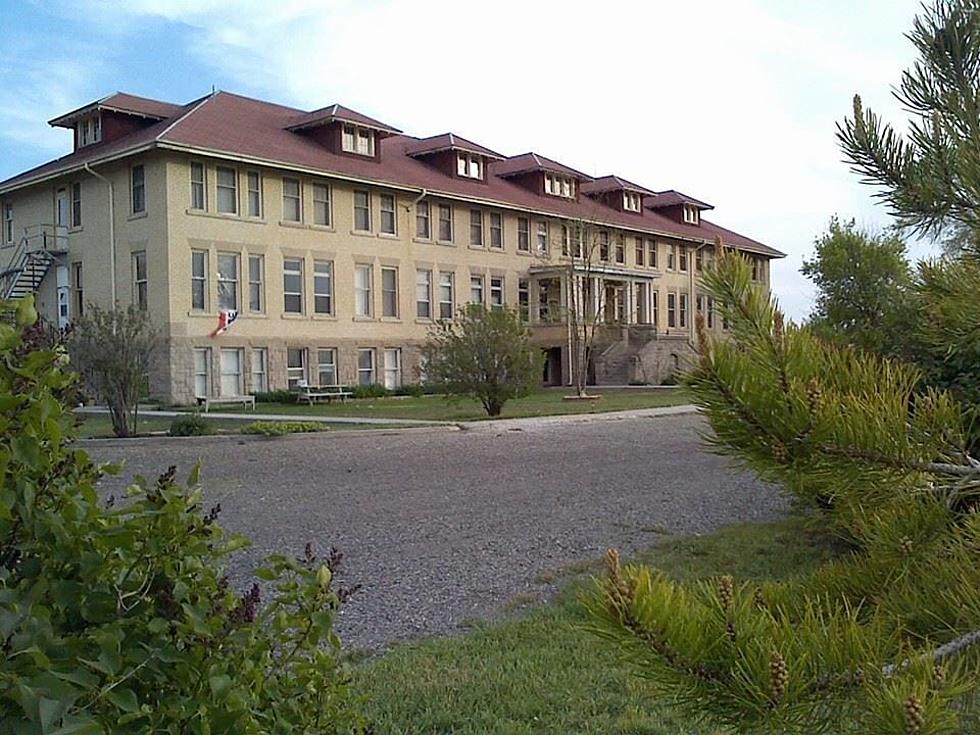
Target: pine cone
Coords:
[[938, 675], [726, 591], [759, 599], [779, 451], [813, 395], [778, 677], [905, 545], [914, 715]]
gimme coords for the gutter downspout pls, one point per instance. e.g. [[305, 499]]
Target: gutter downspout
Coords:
[[112, 231], [423, 193]]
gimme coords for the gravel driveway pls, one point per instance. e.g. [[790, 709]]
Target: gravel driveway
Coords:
[[444, 526]]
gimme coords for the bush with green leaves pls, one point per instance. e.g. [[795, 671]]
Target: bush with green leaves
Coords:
[[281, 428], [276, 396], [190, 425], [117, 617]]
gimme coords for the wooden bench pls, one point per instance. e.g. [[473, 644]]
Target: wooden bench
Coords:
[[208, 401], [314, 393]]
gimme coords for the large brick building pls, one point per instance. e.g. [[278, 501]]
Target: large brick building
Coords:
[[339, 240]]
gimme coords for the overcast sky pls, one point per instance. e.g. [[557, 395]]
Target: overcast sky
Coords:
[[733, 102]]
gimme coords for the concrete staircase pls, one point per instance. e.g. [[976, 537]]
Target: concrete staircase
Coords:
[[618, 351]]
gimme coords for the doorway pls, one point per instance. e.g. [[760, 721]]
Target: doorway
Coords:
[[552, 374]]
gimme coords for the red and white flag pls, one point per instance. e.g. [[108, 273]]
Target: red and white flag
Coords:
[[226, 317]]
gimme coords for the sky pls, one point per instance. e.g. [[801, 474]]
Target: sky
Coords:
[[734, 102]]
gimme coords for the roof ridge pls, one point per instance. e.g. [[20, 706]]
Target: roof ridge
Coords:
[[197, 104]]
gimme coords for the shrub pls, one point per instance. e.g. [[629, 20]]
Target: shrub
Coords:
[[416, 390], [276, 396], [281, 428], [191, 425], [669, 379], [120, 619], [370, 391]]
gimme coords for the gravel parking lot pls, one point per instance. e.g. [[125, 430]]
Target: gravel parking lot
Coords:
[[444, 526]]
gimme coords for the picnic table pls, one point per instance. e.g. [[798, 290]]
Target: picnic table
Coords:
[[314, 393]]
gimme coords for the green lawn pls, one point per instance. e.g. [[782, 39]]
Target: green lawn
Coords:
[[97, 426], [438, 408], [542, 673]]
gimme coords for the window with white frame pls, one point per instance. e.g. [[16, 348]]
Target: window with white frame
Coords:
[[256, 283], [476, 228], [387, 207], [359, 140], [682, 258], [292, 200], [445, 223], [682, 309], [139, 279], [542, 237], [565, 240], [620, 249], [198, 186], [137, 181], [423, 229], [423, 294], [476, 290], [691, 214], [321, 205], [523, 235], [76, 204], [363, 298], [295, 367], [292, 285], [202, 372], [652, 259], [78, 288], [446, 296], [393, 368], [640, 251], [603, 245], [671, 257], [228, 264], [655, 308], [469, 165], [559, 186], [576, 237], [323, 287], [389, 292], [89, 130], [362, 211], [524, 298], [496, 293], [199, 280], [671, 310], [260, 370], [227, 190], [496, 230], [8, 222], [231, 371], [253, 195], [365, 367], [326, 366], [632, 201]]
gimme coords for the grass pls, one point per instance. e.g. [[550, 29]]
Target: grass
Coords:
[[544, 673], [546, 402]]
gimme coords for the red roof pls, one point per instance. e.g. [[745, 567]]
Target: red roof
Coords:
[[671, 198], [128, 104], [226, 124], [448, 142], [334, 113], [612, 183]]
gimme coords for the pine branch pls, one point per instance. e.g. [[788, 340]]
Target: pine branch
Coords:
[[954, 647]]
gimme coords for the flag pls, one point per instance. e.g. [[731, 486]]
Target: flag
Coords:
[[226, 317]]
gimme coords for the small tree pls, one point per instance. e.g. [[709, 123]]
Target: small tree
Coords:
[[486, 354], [113, 350]]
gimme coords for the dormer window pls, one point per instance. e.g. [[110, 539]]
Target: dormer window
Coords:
[[559, 186], [632, 202], [358, 140], [89, 131], [691, 215], [469, 165]]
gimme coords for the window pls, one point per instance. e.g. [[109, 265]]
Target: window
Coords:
[[756, 268], [295, 367], [198, 187], [476, 290], [89, 131], [321, 205], [640, 251], [699, 260], [559, 186], [231, 371], [362, 290], [8, 222], [322, 287], [423, 294], [422, 229], [632, 202], [227, 190], [61, 208], [469, 165], [671, 256], [253, 181], [292, 202], [362, 211], [671, 310], [139, 279], [445, 223], [565, 240], [576, 238], [603, 245], [476, 228], [202, 372], [524, 298], [365, 367], [711, 313], [691, 214], [496, 293], [446, 300], [620, 249], [542, 238], [292, 285], [655, 315], [393, 368], [256, 283], [388, 214], [76, 278], [76, 204], [652, 253], [358, 140], [682, 310], [389, 292], [640, 290], [260, 370], [523, 235], [326, 366], [199, 280], [137, 180], [227, 280], [682, 258], [496, 230]]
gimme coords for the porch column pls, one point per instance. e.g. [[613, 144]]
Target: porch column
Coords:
[[629, 307]]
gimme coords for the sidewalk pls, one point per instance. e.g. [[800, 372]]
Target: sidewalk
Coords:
[[258, 416], [536, 422]]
